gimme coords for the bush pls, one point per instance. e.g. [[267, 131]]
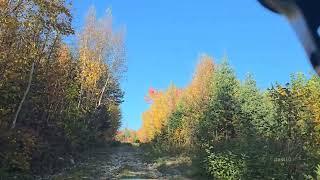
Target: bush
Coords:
[[16, 150], [225, 165]]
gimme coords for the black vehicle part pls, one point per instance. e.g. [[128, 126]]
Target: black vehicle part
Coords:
[[304, 17]]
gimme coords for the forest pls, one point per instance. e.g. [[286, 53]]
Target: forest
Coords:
[[56, 100], [59, 100], [233, 129]]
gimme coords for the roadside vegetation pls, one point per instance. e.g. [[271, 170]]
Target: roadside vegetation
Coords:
[[60, 108], [232, 129], [56, 100]]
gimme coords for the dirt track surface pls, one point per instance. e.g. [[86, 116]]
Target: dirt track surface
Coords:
[[122, 162]]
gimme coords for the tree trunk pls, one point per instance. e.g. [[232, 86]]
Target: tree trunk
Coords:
[[102, 92], [23, 98], [80, 96]]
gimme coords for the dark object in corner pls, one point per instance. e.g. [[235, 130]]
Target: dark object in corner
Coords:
[[304, 17]]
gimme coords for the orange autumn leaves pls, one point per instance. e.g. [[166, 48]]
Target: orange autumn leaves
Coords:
[[165, 102]]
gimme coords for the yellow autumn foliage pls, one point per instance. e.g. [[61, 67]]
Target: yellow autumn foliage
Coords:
[[164, 103], [155, 118]]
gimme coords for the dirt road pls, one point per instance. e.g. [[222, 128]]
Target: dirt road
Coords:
[[123, 162]]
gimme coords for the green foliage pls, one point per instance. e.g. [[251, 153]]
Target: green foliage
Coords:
[[175, 120], [45, 114], [316, 174], [223, 111], [225, 165], [252, 134], [317, 171], [18, 147]]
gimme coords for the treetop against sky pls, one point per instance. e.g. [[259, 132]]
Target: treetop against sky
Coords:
[[165, 38]]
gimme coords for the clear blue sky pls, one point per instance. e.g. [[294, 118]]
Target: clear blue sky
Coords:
[[164, 39]]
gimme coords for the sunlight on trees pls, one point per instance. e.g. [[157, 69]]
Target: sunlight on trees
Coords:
[[57, 102], [237, 130]]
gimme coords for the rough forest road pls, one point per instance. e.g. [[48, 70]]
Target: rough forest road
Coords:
[[124, 162]]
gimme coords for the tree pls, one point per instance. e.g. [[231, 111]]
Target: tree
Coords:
[[29, 32], [293, 126], [312, 103], [223, 111], [42, 80], [163, 104], [235, 130], [255, 112], [101, 58], [196, 99]]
